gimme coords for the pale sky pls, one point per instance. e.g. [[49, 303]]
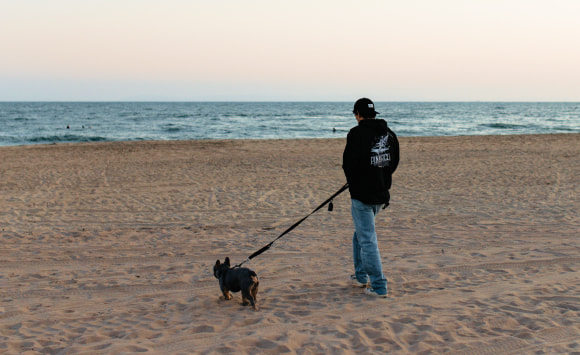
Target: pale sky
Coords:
[[295, 50]]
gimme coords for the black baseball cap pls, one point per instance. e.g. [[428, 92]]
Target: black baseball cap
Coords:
[[365, 108]]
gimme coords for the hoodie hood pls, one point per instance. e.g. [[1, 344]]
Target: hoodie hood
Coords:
[[378, 125]]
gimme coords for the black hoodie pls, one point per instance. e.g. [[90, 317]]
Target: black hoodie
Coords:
[[370, 157]]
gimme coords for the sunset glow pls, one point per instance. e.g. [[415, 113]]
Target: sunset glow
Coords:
[[300, 50]]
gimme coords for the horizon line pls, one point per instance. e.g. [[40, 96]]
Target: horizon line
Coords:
[[282, 101]]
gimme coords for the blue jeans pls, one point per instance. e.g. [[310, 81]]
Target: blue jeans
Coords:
[[365, 247]]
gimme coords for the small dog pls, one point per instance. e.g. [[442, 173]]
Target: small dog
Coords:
[[237, 279]]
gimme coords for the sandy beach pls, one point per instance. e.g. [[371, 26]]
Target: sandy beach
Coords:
[[108, 248]]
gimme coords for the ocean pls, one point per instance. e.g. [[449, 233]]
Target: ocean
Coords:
[[24, 123]]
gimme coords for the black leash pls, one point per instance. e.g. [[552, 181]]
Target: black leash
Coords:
[[267, 246]]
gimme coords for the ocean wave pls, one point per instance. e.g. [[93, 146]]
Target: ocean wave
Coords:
[[67, 138], [172, 129], [502, 125], [185, 115], [175, 128], [563, 129]]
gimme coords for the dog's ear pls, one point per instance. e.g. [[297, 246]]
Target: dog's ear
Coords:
[[217, 263], [227, 261]]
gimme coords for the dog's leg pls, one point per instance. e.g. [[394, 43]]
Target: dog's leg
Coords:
[[247, 296], [227, 294], [253, 304]]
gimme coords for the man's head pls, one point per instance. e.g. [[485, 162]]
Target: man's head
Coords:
[[364, 108]]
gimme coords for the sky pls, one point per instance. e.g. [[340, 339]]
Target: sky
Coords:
[[294, 50]]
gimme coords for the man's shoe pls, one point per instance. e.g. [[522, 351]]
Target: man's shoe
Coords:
[[356, 283], [371, 292]]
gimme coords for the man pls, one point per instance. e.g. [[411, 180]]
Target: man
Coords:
[[370, 157]]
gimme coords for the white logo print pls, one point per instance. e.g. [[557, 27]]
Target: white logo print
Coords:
[[380, 152]]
